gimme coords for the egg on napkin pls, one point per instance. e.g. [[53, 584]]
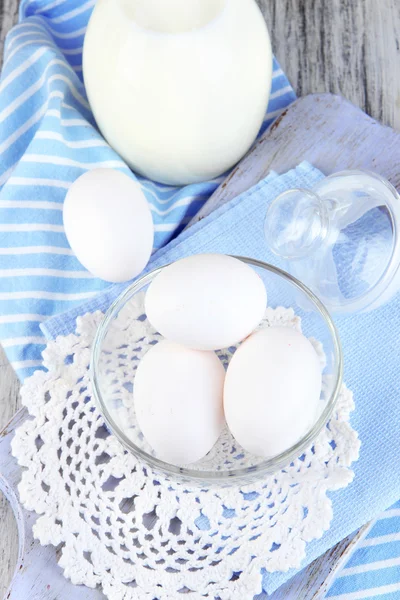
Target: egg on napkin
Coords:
[[108, 224], [178, 396], [206, 301], [272, 390]]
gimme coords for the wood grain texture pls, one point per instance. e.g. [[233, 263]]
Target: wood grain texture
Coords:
[[347, 47], [323, 129], [8, 545], [351, 47], [8, 17], [9, 404]]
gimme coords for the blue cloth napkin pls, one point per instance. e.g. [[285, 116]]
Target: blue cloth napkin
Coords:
[[48, 139], [371, 354]]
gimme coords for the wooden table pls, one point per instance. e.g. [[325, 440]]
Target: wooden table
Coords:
[[351, 47]]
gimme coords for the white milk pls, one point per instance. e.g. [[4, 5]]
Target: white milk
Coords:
[[178, 87]]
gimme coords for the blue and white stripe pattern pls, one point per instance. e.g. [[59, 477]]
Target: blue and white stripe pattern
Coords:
[[47, 140], [373, 571]]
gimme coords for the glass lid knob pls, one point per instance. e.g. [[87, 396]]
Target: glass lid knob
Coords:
[[340, 238]]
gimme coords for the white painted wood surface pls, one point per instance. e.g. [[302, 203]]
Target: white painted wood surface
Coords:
[[323, 129], [345, 46], [9, 404]]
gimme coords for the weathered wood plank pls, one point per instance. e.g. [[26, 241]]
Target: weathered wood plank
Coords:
[[316, 580], [8, 17], [347, 47], [9, 404], [326, 130], [344, 46]]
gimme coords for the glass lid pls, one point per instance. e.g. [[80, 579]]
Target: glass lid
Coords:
[[340, 239]]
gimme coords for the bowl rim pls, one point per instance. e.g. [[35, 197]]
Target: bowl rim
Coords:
[[266, 466]]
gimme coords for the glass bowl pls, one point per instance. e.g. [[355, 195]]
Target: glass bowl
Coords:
[[125, 335]]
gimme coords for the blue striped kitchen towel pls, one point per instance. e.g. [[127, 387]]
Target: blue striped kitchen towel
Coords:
[[373, 570], [48, 139]]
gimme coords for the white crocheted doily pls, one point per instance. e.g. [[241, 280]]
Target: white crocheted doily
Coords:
[[141, 535]]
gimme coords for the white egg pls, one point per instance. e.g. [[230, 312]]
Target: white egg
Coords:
[[272, 390], [108, 224], [206, 301], [178, 401]]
